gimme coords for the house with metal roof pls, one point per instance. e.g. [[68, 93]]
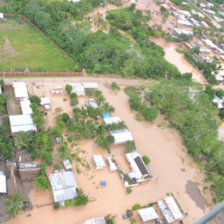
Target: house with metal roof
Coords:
[[140, 171], [98, 220], [98, 161], [148, 214], [78, 89], [1, 15], [63, 185], [20, 90], [170, 210], [25, 106], [21, 122], [90, 85], [121, 136], [112, 120]]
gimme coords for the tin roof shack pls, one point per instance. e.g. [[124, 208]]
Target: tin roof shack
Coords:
[[187, 46], [215, 25], [21, 122], [3, 186], [57, 90], [121, 136], [112, 164], [98, 162], [98, 220], [182, 31], [140, 171], [90, 85], [219, 102], [78, 89], [25, 106], [148, 214], [200, 15], [184, 22], [20, 90], [204, 24], [170, 210], [112, 120], [67, 164], [63, 185], [45, 102]]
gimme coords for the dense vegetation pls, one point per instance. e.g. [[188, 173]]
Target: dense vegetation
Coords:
[[100, 52], [189, 109]]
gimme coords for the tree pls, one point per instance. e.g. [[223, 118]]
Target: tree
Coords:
[[81, 199], [74, 99], [23, 140], [130, 146], [35, 100], [114, 86], [42, 182], [149, 113], [68, 89], [14, 204], [163, 10], [146, 160]]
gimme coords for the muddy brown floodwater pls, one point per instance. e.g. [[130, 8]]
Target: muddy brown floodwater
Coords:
[[173, 170]]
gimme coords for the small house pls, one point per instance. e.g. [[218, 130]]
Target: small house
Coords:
[[92, 103], [140, 171], [121, 136], [20, 90], [3, 187], [45, 101], [67, 164], [90, 85], [25, 106], [98, 220], [22, 122], [98, 161], [170, 210], [57, 90], [112, 165], [63, 185], [112, 120], [78, 89], [148, 214]]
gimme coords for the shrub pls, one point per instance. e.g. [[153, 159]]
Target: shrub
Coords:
[[129, 190], [114, 86], [146, 160], [81, 199], [149, 113], [67, 203], [57, 167], [74, 99], [136, 206], [42, 182], [35, 100], [68, 89], [133, 220], [56, 205], [130, 146]]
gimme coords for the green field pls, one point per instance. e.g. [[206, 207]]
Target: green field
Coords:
[[21, 46]]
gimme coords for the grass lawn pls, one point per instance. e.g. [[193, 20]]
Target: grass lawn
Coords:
[[21, 46]]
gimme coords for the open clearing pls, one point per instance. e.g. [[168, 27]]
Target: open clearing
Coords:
[[22, 47], [173, 170]]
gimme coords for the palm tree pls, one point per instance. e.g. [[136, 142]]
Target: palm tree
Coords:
[[23, 140], [14, 205]]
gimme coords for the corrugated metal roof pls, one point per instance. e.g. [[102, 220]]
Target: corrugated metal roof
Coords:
[[90, 85], [25, 107], [44, 101], [98, 220], [148, 214], [173, 208], [78, 89], [112, 120], [121, 136], [20, 89], [98, 161], [63, 185]]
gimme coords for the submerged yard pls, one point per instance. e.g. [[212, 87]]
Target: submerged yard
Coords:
[[23, 48], [172, 169]]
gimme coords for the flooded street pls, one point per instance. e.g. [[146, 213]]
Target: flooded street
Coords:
[[172, 169]]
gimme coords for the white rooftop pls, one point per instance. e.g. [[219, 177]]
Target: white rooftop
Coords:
[[63, 185], [112, 120], [1, 15], [44, 101], [90, 85], [121, 136], [22, 122], [25, 106], [112, 164], [98, 220], [172, 205], [98, 161], [20, 89], [78, 89], [3, 188], [67, 164], [148, 214]]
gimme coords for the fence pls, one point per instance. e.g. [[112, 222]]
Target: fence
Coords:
[[41, 73]]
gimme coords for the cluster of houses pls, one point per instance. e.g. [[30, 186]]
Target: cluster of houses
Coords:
[[166, 208]]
